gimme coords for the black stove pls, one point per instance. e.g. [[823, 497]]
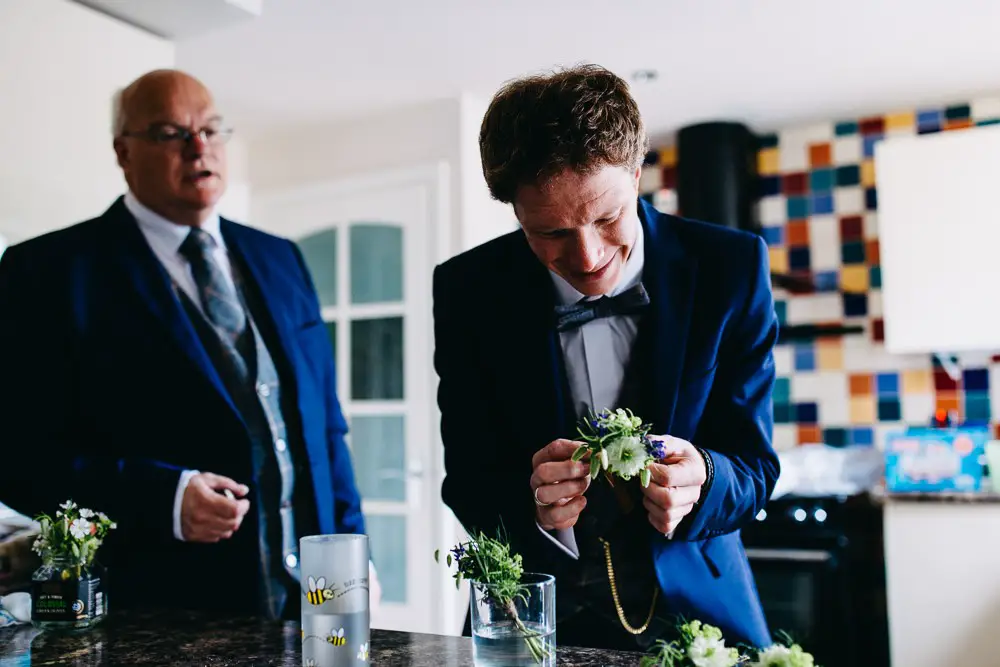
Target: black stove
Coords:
[[820, 573]]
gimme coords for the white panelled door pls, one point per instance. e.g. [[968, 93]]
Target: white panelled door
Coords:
[[369, 244]]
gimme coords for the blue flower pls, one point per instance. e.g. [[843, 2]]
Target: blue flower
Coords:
[[656, 448], [458, 551]]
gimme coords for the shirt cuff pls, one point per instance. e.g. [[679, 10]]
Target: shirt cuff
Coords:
[[565, 539], [182, 484]]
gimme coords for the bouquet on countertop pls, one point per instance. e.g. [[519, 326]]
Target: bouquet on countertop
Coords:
[[702, 645], [619, 444], [489, 561], [73, 536]]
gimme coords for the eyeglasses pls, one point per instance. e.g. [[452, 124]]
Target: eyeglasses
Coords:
[[174, 135]]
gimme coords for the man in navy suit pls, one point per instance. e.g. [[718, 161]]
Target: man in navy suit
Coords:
[[171, 368], [599, 301]]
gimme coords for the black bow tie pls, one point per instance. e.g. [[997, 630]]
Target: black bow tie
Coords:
[[629, 302]]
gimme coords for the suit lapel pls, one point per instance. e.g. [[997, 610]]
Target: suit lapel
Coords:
[[151, 281], [669, 278], [536, 363]]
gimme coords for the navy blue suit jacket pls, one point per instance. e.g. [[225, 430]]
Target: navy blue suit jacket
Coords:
[[501, 397], [107, 393]]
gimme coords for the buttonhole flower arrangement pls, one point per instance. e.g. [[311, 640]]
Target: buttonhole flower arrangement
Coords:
[[72, 537], [698, 645], [702, 645], [618, 443], [484, 560]]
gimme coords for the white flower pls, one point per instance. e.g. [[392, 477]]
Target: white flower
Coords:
[[102, 516], [363, 652], [628, 456], [80, 528], [68, 505], [86, 514], [705, 652], [775, 656]]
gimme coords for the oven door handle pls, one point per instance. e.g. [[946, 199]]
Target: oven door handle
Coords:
[[791, 555]]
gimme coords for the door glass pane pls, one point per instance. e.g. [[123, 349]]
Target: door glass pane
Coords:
[[320, 252], [387, 536], [379, 457], [376, 263], [331, 328], [377, 358]]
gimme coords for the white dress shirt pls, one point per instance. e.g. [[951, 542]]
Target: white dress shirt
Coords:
[[165, 239], [595, 357]]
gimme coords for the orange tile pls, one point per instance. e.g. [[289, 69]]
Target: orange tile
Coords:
[[820, 155], [958, 124], [830, 355], [900, 121], [917, 381], [863, 410], [868, 173], [779, 259], [872, 256], [768, 162], [861, 384], [947, 401], [854, 278], [668, 156], [810, 434], [797, 233]]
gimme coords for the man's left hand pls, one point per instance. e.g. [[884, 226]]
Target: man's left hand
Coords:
[[675, 484]]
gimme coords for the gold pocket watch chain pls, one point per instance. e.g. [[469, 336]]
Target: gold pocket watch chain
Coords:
[[618, 604]]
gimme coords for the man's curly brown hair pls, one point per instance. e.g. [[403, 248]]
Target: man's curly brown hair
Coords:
[[582, 118]]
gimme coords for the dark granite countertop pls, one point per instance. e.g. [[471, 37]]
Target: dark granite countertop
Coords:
[[201, 639]]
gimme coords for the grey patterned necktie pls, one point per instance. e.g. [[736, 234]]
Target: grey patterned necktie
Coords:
[[218, 298]]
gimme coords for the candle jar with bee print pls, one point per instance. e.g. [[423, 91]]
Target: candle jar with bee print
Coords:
[[335, 604], [68, 596]]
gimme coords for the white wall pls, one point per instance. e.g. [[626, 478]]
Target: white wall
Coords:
[[61, 65]]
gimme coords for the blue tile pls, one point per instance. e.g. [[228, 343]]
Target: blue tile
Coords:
[[977, 406], [799, 259], [929, 117], [855, 305], [805, 358], [976, 379], [652, 157], [845, 128], [835, 437], [852, 252], [768, 140], [781, 311], [928, 129], [821, 180], [876, 277], [806, 413], [868, 144], [822, 204], [887, 384], [769, 185], [826, 281], [958, 112], [889, 410], [773, 235], [797, 207], [988, 121], [871, 199], [848, 175], [784, 413], [862, 436], [782, 392]]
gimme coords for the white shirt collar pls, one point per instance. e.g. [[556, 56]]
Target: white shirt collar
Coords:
[[631, 275], [169, 233]]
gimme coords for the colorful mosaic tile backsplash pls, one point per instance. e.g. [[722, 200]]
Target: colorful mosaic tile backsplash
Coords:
[[818, 209]]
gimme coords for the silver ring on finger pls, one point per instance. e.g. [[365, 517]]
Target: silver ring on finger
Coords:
[[539, 502]]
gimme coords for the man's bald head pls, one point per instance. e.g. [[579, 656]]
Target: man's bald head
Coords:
[[169, 140]]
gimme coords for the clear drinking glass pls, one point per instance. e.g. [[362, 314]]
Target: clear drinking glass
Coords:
[[521, 634], [336, 622]]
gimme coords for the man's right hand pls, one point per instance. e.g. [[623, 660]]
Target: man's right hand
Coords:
[[206, 514], [558, 483]]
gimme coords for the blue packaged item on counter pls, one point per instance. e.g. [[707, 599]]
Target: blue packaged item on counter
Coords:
[[935, 459]]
